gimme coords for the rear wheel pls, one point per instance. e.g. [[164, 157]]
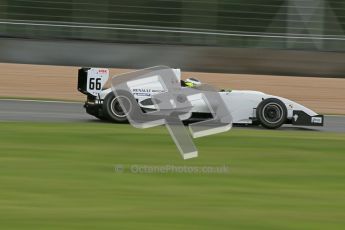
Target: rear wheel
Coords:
[[271, 113], [112, 107]]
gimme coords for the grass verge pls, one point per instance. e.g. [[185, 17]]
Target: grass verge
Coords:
[[61, 176]]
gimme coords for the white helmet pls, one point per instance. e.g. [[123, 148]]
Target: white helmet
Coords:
[[192, 82]]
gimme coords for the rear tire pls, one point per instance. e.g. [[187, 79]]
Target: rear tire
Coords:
[[113, 110], [271, 113]]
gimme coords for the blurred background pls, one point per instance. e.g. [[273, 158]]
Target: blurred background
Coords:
[[284, 37]]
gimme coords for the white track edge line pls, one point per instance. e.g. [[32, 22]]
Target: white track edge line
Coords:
[[43, 101]]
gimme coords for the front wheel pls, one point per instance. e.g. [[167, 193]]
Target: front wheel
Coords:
[[271, 113]]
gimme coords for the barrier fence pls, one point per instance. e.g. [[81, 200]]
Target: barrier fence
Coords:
[[315, 25]]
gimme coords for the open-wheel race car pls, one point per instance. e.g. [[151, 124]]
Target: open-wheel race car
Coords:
[[246, 107]]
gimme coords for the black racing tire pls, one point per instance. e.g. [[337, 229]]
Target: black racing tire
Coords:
[[113, 110], [271, 113]]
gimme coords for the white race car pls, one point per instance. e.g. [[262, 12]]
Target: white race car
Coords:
[[246, 107]]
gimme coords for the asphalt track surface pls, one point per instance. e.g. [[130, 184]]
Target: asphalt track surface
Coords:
[[54, 111]]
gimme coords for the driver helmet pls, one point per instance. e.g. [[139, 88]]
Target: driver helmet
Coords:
[[192, 82]]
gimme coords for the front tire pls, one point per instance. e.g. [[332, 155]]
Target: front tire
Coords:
[[113, 110], [271, 113]]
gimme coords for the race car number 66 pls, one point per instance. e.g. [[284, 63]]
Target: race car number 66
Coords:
[[96, 78]]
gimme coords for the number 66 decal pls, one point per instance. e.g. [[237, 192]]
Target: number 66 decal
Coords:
[[98, 83], [96, 79]]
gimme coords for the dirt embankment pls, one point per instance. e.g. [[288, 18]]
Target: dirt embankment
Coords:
[[324, 95]]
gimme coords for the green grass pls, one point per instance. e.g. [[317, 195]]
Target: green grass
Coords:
[[61, 176]]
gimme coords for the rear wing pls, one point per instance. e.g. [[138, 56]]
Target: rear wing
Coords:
[[92, 80]]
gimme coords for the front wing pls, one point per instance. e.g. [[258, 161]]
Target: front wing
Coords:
[[303, 119]]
